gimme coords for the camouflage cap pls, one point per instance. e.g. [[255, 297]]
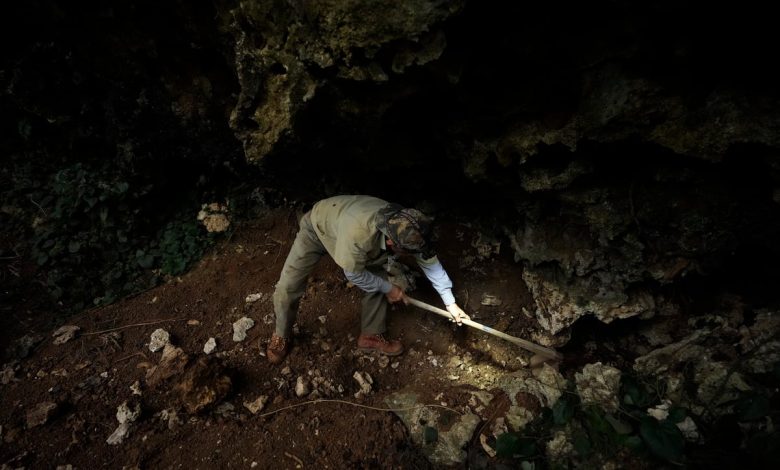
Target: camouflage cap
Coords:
[[410, 229]]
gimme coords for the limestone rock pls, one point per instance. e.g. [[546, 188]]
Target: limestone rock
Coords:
[[210, 346], [65, 333], [447, 449], [240, 328], [204, 384], [41, 413], [159, 339], [256, 405], [599, 384]]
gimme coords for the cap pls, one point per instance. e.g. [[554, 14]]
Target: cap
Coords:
[[410, 229]]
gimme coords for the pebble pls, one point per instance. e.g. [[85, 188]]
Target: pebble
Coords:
[[210, 346], [301, 386], [65, 333], [240, 328], [159, 339]]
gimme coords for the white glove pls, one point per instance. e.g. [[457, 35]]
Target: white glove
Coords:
[[458, 315]]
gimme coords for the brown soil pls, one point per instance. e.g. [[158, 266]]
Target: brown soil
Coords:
[[91, 375]]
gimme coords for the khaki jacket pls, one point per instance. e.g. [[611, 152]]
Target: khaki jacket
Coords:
[[346, 226]]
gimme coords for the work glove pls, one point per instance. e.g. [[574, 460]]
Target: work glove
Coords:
[[458, 315]]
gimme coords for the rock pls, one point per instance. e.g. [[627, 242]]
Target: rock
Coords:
[[599, 384], [8, 374], [759, 337], [22, 346], [286, 370], [126, 415], [41, 414], [171, 417], [172, 363], [559, 448], [136, 388], [322, 318], [158, 340], [252, 298], [301, 386], [193, 322], [203, 385], [240, 328], [365, 381], [383, 361], [119, 435], [395, 365], [488, 450], [210, 346], [447, 449], [214, 217], [490, 300], [257, 405], [65, 333]]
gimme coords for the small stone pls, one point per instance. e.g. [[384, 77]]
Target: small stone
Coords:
[[193, 322], [395, 365], [490, 300], [253, 465], [159, 339], [322, 318], [124, 414], [8, 374], [251, 298], [325, 346], [136, 388], [40, 414], [365, 381], [240, 328], [65, 467], [301, 386], [65, 333], [256, 406], [286, 370], [119, 434], [210, 346], [383, 361]]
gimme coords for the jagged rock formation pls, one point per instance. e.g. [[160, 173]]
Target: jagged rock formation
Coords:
[[627, 153]]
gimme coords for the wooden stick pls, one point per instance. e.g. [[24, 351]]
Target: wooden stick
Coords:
[[527, 345]]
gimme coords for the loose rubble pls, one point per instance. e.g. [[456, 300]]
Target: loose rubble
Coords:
[[210, 346], [41, 414], [257, 405], [240, 328], [126, 415], [159, 339], [599, 384], [65, 333], [364, 381]]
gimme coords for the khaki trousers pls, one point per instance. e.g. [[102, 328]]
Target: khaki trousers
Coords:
[[306, 251]]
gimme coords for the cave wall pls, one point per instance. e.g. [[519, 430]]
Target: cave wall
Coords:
[[622, 146], [620, 149]]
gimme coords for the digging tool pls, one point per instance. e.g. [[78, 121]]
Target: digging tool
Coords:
[[549, 354]]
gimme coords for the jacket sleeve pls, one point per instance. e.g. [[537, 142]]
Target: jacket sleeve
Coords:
[[435, 273]]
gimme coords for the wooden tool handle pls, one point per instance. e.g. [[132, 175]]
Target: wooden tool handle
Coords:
[[527, 345]]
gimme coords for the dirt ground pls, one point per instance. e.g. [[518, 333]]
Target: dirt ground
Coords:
[[85, 379]]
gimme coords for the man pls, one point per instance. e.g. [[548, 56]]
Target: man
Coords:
[[359, 233]]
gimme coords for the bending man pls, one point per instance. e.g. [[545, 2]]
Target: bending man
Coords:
[[359, 233]]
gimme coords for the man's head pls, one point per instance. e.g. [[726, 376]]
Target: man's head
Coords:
[[408, 229]]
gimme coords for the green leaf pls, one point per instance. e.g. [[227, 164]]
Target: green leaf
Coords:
[[526, 465], [430, 435], [633, 442], [619, 426], [510, 445], [634, 392], [74, 246], [563, 410], [663, 438], [751, 407], [582, 444], [677, 414], [507, 445]]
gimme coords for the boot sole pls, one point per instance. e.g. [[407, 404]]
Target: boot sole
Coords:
[[368, 350]]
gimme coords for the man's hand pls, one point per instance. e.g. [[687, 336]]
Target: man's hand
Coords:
[[396, 294], [458, 315]]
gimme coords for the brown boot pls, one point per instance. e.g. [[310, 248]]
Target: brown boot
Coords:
[[278, 348], [368, 343]]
